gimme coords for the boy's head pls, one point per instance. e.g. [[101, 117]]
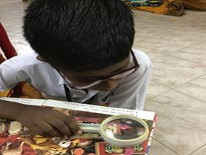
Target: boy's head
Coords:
[[81, 36]]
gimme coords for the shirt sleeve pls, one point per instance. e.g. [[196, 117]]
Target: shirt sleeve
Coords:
[[10, 75], [131, 93]]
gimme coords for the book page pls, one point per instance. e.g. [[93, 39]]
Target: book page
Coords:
[[83, 107], [26, 101], [19, 139]]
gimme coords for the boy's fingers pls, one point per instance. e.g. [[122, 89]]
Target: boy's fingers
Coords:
[[36, 131], [42, 131], [59, 125], [69, 122], [49, 130], [73, 125]]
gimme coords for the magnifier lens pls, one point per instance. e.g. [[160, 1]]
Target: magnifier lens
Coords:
[[124, 129]]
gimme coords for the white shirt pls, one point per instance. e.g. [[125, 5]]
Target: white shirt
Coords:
[[130, 94]]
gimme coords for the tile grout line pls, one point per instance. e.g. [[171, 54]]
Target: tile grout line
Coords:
[[197, 149], [181, 58], [166, 146], [180, 50], [159, 94], [189, 81], [174, 88], [176, 50], [191, 96]]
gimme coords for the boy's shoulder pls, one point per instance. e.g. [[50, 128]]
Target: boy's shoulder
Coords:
[[141, 57], [25, 60]]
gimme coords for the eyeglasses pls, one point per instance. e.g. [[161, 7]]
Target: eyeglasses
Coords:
[[116, 76]]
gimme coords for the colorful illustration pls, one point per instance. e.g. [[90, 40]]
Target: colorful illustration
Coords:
[[16, 139], [103, 148], [124, 129], [139, 3]]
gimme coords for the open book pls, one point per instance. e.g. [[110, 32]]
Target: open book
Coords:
[[16, 139]]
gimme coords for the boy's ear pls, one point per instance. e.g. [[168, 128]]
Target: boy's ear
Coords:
[[41, 59]]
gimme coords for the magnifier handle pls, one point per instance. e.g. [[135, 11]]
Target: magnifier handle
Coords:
[[90, 128]]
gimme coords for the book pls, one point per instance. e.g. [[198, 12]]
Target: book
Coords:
[[16, 139]]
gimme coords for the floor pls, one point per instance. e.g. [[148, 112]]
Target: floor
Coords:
[[177, 90]]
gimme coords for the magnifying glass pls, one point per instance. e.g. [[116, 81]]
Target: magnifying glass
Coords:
[[120, 130]]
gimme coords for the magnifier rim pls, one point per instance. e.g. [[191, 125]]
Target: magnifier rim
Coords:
[[118, 142]]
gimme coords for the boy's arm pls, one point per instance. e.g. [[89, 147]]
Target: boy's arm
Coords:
[[44, 121]]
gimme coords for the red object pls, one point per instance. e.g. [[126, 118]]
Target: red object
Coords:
[[5, 44], [27, 150]]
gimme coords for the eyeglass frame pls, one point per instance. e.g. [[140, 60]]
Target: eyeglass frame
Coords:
[[136, 66]]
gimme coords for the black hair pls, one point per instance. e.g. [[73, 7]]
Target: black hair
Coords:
[[80, 35]]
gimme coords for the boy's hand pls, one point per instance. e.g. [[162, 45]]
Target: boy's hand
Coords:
[[45, 121]]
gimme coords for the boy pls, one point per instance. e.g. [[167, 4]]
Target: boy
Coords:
[[83, 55]]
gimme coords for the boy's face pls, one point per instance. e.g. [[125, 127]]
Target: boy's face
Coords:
[[105, 79], [89, 78]]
